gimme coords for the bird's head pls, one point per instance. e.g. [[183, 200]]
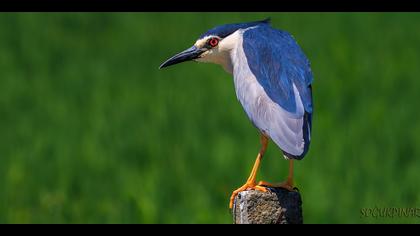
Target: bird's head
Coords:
[[212, 46]]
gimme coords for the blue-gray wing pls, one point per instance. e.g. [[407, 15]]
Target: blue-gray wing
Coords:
[[283, 71]]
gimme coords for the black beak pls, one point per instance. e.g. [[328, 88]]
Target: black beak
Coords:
[[187, 55]]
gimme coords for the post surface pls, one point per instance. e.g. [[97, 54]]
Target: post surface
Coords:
[[276, 206]]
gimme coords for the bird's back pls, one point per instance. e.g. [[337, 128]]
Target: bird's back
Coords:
[[273, 83]]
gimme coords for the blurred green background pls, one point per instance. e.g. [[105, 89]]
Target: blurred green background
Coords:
[[93, 132]]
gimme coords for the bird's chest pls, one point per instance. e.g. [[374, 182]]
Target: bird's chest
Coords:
[[247, 89], [252, 97]]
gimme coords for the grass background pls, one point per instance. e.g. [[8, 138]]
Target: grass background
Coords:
[[92, 132]]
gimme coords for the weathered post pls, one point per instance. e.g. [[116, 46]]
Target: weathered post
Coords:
[[276, 206]]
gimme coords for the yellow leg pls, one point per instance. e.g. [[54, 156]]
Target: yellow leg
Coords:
[[250, 183], [288, 184]]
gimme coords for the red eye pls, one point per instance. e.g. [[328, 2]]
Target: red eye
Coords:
[[213, 42]]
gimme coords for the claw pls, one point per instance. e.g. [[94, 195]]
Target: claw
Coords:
[[247, 186], [286, 185]]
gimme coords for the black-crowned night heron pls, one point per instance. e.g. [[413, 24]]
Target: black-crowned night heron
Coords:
[[272, 78]]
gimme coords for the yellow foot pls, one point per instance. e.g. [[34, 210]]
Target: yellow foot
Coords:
[[244, 187], [286, 185]]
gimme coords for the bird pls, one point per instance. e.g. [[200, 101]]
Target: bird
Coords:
[[273, 82]]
